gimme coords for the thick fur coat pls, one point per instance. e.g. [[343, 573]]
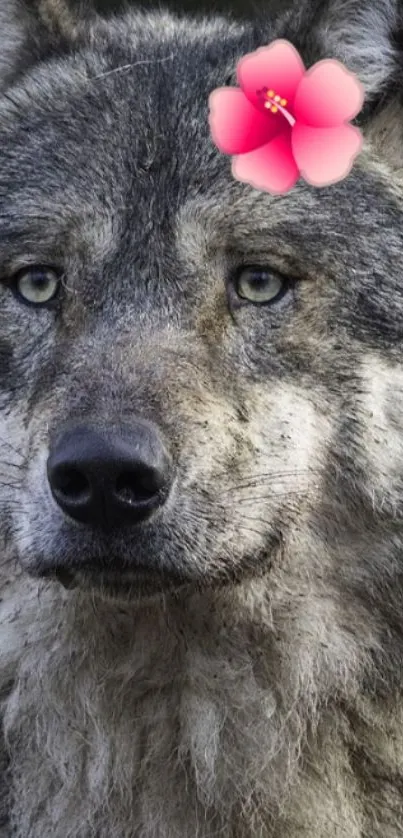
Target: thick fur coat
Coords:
[[232, 667]]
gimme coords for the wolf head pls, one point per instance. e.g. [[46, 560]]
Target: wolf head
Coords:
[[199, 382]]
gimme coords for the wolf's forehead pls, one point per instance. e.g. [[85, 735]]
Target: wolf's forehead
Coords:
[[115, 144], [148, 94], [113, 133]]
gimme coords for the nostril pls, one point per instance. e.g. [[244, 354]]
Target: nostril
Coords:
[[72, 483], [135, 486]]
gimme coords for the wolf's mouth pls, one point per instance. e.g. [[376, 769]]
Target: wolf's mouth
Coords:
[[66, 578], [142, 581]]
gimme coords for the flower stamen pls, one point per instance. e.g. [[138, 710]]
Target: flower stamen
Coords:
[[274, 103]]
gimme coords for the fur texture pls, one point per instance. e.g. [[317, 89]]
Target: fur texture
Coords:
[[234, 666]]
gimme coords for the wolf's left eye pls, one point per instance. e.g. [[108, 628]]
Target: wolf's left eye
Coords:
[[37, 285], [260, 285]]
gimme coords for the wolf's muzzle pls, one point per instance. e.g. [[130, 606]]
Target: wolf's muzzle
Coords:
[[110, 478]]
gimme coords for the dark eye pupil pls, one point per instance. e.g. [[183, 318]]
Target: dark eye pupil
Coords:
[[39, 278], [258, 278]]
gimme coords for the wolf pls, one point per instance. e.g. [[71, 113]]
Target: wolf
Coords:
[[201, 440]]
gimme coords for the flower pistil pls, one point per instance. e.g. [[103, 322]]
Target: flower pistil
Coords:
[[274, 103]]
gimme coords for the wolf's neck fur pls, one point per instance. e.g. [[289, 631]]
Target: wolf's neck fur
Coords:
[[182, 719]]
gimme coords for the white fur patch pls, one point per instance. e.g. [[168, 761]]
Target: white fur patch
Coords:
[[284, 422], [382, 405]]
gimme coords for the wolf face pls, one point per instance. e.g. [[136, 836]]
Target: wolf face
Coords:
[[234, 322], [201, 389]]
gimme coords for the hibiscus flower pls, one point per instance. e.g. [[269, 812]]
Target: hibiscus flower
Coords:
[[285, 122]]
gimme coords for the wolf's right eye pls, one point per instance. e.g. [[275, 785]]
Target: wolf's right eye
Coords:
[[260, 286], [36, 286]]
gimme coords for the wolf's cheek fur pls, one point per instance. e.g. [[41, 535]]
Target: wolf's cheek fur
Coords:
[[381, 404]]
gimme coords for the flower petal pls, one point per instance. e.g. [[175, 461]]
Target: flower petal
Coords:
[[270, 168], [328, 95], [236, 126], [325, 155], [278, 67]]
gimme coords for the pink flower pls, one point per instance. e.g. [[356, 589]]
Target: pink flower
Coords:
[[285, 121]]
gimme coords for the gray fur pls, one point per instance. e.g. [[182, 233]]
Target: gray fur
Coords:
[[251, 686]]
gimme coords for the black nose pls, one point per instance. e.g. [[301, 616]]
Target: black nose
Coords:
[[110, 478]]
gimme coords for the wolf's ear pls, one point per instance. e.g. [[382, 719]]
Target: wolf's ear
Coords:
[[31, 29], [367, 36]]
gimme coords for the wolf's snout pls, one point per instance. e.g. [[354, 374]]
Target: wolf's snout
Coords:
[[110, 478]]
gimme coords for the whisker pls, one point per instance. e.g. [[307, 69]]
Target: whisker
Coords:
[[258, 480], [9, 464], [7, 443], [308, 470], [130, 67], [292, 493]]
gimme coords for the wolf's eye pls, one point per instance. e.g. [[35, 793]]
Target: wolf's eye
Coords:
[[260, 285], [36, 285]]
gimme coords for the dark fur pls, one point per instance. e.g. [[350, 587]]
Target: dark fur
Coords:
[[251, 686]]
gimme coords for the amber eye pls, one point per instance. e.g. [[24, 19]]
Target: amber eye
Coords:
[[37, 285], [260, 285]]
